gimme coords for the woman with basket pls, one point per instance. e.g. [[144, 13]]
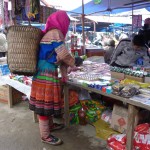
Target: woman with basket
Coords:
[[45, 97]]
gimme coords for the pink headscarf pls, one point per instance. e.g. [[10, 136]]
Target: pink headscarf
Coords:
[[58, 20]]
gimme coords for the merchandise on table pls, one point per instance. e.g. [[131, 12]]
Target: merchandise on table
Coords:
[[91, 71], [129, 91], [117, 88], [140, 74], [141, 98], [23, 79]]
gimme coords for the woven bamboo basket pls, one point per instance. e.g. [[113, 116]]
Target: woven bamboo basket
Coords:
[[23, 46]]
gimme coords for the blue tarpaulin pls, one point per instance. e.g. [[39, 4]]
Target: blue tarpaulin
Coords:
[[115, 5]]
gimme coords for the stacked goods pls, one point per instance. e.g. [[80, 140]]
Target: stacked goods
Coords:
[[129, 71], [141, 139], [89, 111]]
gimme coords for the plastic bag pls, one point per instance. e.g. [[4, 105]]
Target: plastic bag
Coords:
[[115, 145], [121, 138], [129, 91], [143, 128], [117, 89], [84, 95]]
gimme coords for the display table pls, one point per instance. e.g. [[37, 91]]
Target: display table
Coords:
[[133, 108], [25, 89], [21, 87]]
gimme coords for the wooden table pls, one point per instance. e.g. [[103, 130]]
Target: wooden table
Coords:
[[133, 108]]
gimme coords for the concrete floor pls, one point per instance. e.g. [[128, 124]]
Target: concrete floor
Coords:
[[19, 132]]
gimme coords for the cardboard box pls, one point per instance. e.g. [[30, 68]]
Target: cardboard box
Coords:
[[16, 95], [117, 75], [4, 93], [135, 78], [119, 118]]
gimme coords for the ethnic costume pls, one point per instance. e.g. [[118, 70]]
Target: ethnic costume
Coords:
[[45, 94], [45, 99]]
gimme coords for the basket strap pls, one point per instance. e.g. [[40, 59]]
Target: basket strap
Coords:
[[48, 57]]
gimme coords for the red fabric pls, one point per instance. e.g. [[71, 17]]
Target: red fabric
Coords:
[[73, 98], [43, 117], [58, 20]]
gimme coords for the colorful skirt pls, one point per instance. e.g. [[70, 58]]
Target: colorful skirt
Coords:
[[45, 96]]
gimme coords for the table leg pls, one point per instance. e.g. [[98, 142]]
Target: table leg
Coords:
[[132, 112], [35, 118], [66, 106], [10, 99]]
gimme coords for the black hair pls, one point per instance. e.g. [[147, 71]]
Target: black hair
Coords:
[[78, 61], [138, 40], [111, 42]]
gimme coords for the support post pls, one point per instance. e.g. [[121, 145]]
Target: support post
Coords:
[[83, 34], [35, 117], [66, 106], [132, 112], [10, 99]]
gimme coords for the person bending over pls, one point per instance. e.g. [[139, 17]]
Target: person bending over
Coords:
[[131, 54]]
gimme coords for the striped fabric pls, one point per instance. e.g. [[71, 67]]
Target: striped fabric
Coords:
[[45, 94]]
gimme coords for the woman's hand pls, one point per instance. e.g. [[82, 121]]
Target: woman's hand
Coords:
[[74, 68], [64, 79]]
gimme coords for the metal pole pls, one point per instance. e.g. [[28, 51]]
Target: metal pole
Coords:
[[2, 11], [94, 26], [83, 35], [75, 27], [132, 17]]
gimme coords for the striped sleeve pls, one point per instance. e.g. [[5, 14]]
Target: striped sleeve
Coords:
[[63, 55]]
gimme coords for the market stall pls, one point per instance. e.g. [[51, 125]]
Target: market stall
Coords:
[[93, 77], [97, 78]]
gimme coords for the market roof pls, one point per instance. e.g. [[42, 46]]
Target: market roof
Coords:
[[112, 6], [107, 6]]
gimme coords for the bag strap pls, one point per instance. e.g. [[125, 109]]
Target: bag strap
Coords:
[[50, 55]]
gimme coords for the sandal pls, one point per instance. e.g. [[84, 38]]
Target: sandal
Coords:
[[52, 140], [56, 126]]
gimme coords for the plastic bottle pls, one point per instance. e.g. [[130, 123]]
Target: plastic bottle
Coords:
[[76, 54], [82, 116]]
